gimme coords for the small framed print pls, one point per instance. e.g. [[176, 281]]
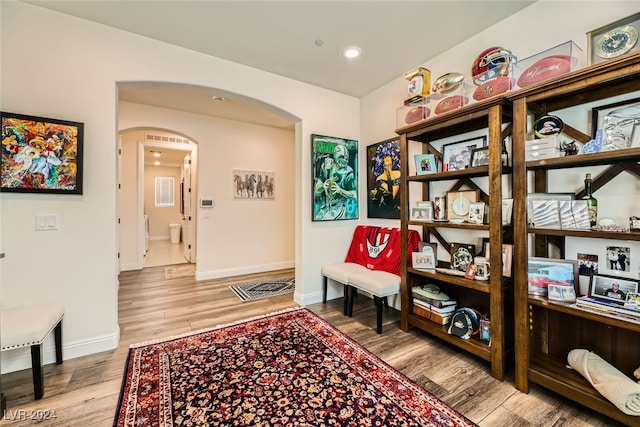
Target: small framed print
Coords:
[[617, 122], [424, 260], [425, 164], [548, 126], [459, 203], [422, 213], [561, 293], [457, 155], [611, 288], [614, 39], [543, 272], [479, 157], [507, 255], [476, 213]]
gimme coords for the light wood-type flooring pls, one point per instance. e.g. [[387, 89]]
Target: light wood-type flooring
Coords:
[[84, 391]]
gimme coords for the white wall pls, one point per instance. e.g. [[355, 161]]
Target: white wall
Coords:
[[75, 77]]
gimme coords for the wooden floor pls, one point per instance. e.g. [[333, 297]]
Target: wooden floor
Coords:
[[84, 391]]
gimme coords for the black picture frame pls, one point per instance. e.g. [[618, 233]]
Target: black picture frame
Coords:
[[382, 202], [601, 284], [41, 154], [479, 157], [457, 155], [599, 113]]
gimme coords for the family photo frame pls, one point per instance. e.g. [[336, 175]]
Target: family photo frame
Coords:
[[41, 155], [457, 155], [611, 288]]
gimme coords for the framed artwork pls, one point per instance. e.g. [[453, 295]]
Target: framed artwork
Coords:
[[424, 260], [462, 255], [614, 39], [618, 123], [542, 272], [476, 213], [611, 288], [479, 157], [249, 184], [424, 213], [507, 255], [457, 155], [334, 181], [383, 180], [425, 163], [459, 204], [41, 155]]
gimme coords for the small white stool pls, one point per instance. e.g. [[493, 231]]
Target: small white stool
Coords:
[[28, 326]]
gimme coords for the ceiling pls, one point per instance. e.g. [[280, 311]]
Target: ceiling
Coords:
[[301, 40]]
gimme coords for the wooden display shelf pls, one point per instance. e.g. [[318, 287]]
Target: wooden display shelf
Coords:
[[554, 375], [464, 225], [581, 160], [633, 235], [472, 345], [478, 285]]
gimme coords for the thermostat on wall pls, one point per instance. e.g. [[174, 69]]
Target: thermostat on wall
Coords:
[[206, 203]]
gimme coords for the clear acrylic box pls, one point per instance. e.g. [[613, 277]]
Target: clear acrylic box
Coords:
[[549, 64]]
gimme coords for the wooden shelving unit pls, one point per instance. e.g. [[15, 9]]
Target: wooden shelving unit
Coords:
[[546, 331], [495, 296]]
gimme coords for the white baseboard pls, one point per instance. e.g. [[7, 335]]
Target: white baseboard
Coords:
[[229, 272], [19, 359], [130, 266]]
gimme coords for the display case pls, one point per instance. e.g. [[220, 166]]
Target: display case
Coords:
[[549, 64], [546, 330]]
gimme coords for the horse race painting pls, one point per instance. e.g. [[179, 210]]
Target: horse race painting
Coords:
[[253, 184]]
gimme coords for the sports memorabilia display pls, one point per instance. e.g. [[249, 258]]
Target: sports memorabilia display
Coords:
[[548, 126], [447, 83], [419, 84], [451, 103], [492, 62], [615, 39], [416, 114], [544, 69], [492, 87]]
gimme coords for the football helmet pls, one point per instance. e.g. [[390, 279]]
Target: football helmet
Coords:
[[492, 62]]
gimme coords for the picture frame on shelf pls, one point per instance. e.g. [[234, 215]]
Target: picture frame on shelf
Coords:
[[612, 40], [542, 272], [426, 164], [457, 155], [532, 197], [507, 255], [507, 211], [561, 293], [41, 155], [612, 288], [459, 203], [476, 213], [428, 247], [424, 213], [479, 157], [462, 255], [617, 121], [426, 258]]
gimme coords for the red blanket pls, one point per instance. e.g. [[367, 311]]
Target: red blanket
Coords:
[[378, 248]]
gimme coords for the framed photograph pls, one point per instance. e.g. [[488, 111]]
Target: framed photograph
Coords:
[[428, 247], [259, 185], [619, 259], [542, 272], [461, 255], [476, 213], [479, 157], [507, 255], [424, 260], [552, 216], [459, 204], [617, 122], [561, 293], [334, 166], [614, 39], [611, 288], [41, 155], [425, 163], [422, 213], [383, 179], [457, 155]]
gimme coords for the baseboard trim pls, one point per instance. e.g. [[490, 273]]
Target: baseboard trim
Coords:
[[19, 359], [229, 272]]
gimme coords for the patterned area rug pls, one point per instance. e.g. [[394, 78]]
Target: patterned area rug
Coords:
[[282, 369], [264, 288]]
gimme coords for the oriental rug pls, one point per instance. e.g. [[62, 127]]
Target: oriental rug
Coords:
[[290, 368], [264, 288]]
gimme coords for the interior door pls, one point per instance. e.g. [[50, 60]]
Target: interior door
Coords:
[[186, 203]]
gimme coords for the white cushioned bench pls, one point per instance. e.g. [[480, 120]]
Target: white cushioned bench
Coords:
[[28, 326], [371, 265]]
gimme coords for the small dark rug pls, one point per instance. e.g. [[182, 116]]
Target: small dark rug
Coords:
[[264, 288], [290, 368]]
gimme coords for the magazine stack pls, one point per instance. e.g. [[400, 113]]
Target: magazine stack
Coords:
[[431, 303], [627, 312]]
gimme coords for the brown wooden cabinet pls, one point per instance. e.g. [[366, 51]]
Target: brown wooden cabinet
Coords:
[[545, 330], [495, 296]]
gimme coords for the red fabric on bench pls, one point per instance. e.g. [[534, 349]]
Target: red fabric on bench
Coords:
[[378, 248]]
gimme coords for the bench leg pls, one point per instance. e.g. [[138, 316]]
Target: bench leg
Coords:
[[379, 302], [36, 368], [324, 289], [346, 295], [58, 339], [353, 292]]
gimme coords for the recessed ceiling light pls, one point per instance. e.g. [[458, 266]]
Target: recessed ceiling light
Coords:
[[155, 153], [218, 99], [319, 42], [157, 163], [351, 52]]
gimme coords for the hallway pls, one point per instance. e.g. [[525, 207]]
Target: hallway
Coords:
[[162, 252]]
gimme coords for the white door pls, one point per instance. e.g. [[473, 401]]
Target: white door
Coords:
[[187, 215]]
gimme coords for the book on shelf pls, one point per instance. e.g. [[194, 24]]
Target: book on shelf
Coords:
[[423, 295], [432, 316], [607, 309], [440, 310]]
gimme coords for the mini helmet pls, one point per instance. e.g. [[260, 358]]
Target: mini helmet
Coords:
[[492, 62]]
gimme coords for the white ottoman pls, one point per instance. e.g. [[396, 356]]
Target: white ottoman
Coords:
[[28, 326]]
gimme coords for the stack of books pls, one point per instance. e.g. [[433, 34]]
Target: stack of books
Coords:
[[608, 309], [436, 310]]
